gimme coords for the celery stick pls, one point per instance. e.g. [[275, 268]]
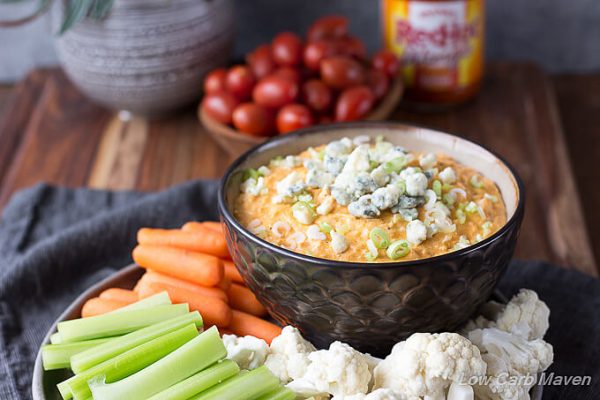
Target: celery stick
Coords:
[[248, 386], [199, 382], [159, 299], [57, 356], [127, 363], [87, 359], [118, 323], [182, 363], [55, 338], [281, 393]]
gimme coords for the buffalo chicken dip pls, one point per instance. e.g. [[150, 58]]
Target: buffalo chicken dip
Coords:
[[369, 201]]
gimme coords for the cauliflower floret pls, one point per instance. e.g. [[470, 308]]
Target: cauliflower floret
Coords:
[[248, 352], [379, 394], [509, 356], [340, 371], [525, 315], [426, 364], [416, 232], [460, 391], [288, 355]]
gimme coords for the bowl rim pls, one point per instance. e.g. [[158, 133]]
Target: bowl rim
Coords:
[[228, 215]]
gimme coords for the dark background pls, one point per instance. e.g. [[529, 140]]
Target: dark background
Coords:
[[561, 35]]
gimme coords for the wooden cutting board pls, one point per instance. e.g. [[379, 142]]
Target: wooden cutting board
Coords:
[[52, 133]]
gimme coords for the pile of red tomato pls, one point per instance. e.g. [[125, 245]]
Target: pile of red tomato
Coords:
[[291, 83]]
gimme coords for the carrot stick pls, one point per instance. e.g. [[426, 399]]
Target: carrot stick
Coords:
[[97, 306], [194, 226], [225, 284], [241, 298], [199, 268], [232, 273], [118, 294], [213, 311], [156, 277], [243, 324], [208, 241]]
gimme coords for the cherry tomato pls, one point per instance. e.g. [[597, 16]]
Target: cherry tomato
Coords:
[[220, 106], [340, 72], [316, 95], [240, 81], [354, 103], [260, 61], [286, 49], [274, 91], [254, 119], [292, 117], [316, 51], [329, 27], [215, 81], [378, 82], [387, 62], [352, 46], [289, 73]]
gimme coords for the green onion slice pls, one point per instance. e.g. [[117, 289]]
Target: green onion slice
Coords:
[[370, 256], [398, 249], [437, 188], [380, 238], [325, 227], [475, 182], [460, 216], [251, 173], [401, 186], [394, 165]]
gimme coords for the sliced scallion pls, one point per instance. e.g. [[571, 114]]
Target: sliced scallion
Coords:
[[398, 249], [251, 173], [380, 238], [461, 218], [394, 165], [325, 227], [475, 182], [436, 186], [471, 207], [448, 199], [401, 187], [491, 197]]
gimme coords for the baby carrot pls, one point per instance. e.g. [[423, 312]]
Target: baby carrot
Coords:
[[97, 306], [231, 272], [118, 294], [225, 283], [243, 324], [156, 277], [208, 241], [194, 226], [241, 298], [213, 311], [199, 268]]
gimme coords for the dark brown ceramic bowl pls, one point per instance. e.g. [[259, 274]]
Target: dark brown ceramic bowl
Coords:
[[373, 306]]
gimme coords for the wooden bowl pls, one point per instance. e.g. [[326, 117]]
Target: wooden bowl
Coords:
[[236, 143]]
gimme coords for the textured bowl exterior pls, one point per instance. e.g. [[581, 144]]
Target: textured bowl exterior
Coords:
[[148, 56], [369, 306]]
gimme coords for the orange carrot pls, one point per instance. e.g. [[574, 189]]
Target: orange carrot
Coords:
[[194, 226], [208, 241], [199, 268], [97, 306], [213, 311], [241, 298], [225, 283], [232, 273], [118, 294], [156, 277], [243, 324]]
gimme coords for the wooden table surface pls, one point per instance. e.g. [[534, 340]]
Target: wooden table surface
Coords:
[[51, 133]]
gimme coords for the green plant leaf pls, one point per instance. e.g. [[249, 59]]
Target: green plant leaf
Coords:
[[75, 11]]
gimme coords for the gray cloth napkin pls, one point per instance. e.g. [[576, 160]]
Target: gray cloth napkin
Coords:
[[56, 242]]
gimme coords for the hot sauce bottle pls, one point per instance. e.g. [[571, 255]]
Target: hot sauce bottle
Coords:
[[441, 46]]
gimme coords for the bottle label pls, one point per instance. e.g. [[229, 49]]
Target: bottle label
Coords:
[[440, 43]]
